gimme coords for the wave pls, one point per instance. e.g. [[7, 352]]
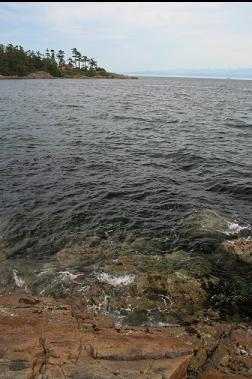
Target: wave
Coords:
[[241, 191], [235, 228], [239, 125]]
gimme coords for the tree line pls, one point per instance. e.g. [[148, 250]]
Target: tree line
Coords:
[[14, 60]]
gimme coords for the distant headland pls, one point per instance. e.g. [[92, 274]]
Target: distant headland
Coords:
[[16, 63]]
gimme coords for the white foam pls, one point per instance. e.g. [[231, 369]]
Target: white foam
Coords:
[[234, 228], [114, 281], [18, 281]]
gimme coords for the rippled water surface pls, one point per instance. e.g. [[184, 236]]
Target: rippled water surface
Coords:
[[116, 161]]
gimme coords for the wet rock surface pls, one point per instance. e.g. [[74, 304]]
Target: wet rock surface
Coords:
[[142, 281], [43, 338], [135, 285], [241, 248]]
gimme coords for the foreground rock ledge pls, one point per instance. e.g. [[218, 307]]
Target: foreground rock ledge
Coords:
[[42, 338]]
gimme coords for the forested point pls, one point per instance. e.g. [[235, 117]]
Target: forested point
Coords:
[[15, 61]]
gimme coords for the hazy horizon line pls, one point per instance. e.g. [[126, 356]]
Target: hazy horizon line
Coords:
[[195, 69], [200, 72]]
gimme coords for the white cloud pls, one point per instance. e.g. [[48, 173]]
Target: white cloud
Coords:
[[151, 34]]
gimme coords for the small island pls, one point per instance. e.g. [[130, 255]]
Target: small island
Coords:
[[16, 63]]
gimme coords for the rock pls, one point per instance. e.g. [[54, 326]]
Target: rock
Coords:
[[28, 300], [48, 339], [172, 287], [232, 357], [181, 294], [207, 221], [241, 248], [40, 75], [136, 286], [43, 338]]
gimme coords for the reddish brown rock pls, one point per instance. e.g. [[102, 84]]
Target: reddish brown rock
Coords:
[[44, 339], [233, 356], [241, 247], [41, 338]]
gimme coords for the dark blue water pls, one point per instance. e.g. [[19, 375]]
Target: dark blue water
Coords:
[[120, 159], [96, 156]]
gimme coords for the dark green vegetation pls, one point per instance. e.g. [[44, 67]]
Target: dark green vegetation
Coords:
[[15, 61]]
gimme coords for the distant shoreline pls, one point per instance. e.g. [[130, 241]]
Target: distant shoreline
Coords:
[[121, 76], [194, 77]]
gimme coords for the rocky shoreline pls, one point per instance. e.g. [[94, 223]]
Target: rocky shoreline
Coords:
[[94, 312], [45, 75], [44, 338]]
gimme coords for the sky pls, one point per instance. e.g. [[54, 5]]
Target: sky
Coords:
[[135, 36]]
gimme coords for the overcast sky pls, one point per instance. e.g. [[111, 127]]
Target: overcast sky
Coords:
[[136, 36]]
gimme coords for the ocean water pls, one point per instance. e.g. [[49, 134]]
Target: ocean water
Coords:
[[128, 168]]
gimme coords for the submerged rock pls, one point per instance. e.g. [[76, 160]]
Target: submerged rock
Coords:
[[209, 222], [135, 285], [182, 295]]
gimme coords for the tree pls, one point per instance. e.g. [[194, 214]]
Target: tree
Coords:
[[70, 61], [92, 64], [60, 57], [53, 56], [77, 57], [85, 60], [47, 53], [14, 60]]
